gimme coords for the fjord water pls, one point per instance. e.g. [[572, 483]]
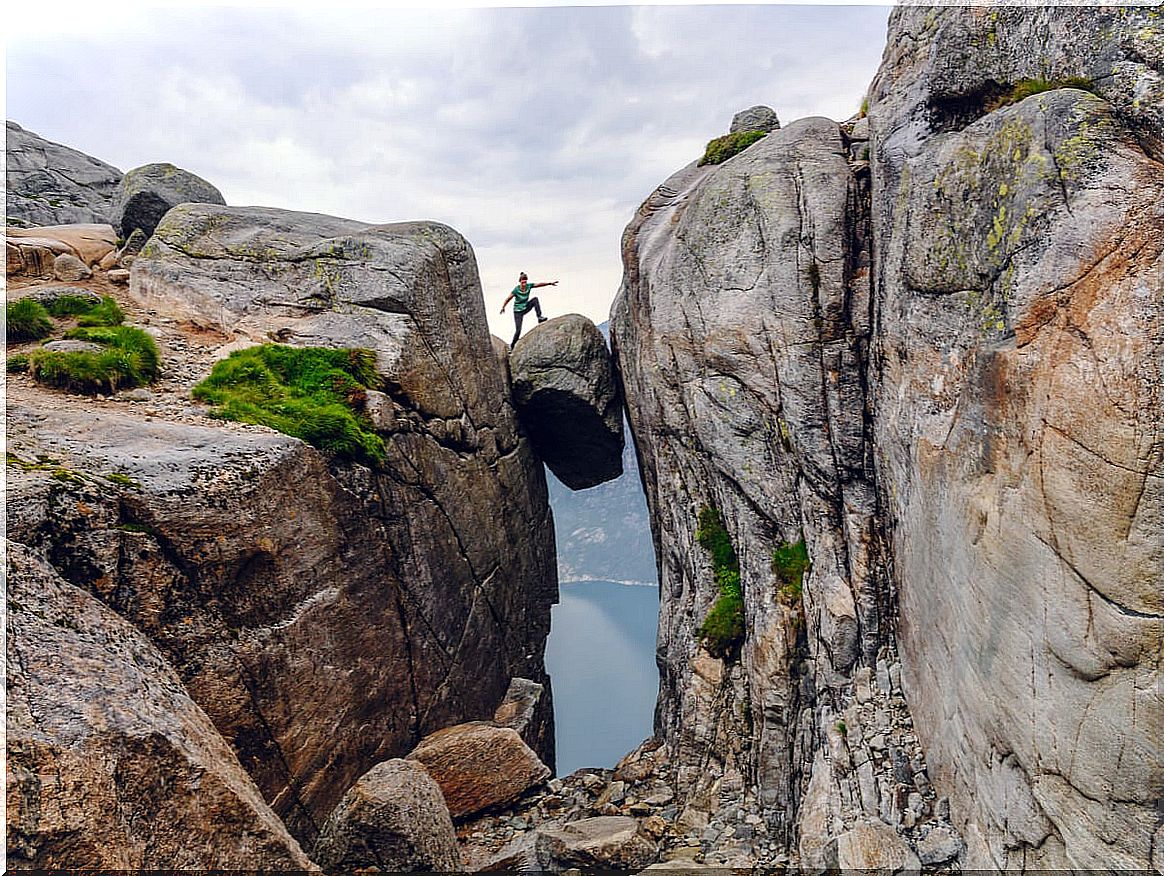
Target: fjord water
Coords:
[[601, 659]]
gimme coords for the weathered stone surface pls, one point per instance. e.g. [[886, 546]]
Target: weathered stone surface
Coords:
[[145, 194], [71, 345], [327, 616], [939, 846], [68, 267], [756, 118], [603, 843], [50, 184], [90, 243], [47, 295], [1018, 418], [564, 390], [110, 763], [740, 331], [32, 256], [394, 819], [874, 847], [479, 765], [523, 702]]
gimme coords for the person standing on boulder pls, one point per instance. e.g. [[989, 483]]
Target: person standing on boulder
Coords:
[[522, 303]]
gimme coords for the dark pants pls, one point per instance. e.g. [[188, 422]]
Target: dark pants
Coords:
[[518, 315]]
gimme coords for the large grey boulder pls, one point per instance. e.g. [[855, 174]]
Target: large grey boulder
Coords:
[[147, 193], [393, 819], [1018, 426], [111, 765], [326, 615], [50, 184], [567, 399], [756, 118]]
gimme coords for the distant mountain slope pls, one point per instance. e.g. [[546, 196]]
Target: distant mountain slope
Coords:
[[604, 533]]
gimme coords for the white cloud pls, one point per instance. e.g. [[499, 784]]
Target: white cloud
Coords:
[[534, 132]]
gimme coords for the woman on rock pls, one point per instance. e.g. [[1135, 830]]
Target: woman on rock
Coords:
[[522, 303]]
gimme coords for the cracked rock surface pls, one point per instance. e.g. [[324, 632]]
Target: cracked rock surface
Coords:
[[941, 367], [326, 616], [50, 184], [118, 768]]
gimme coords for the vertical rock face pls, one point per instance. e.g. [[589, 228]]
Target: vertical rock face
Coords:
[[740, 333], [325, 615], [118, 768], [966, 432], [1018, 425], [50, 184]]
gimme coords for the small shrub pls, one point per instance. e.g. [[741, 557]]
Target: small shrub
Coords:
[[864, 107], [316, 394], [722, 631], [842, 728], [722, 148], [17, 364], [130, 358], [1025, 88], [789, 563], [105, 313], [26, 320]]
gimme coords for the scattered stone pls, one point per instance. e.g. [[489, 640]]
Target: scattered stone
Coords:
[[939, 845], [68, 267], [605, 842], [48, 295], [478, 765], [71, 345], [119, 276], [518, 709], [875, 847], [393, 818]]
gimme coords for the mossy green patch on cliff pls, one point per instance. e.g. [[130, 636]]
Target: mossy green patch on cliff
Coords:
[[129, 358], [789, 563], [316, 394], [722, 148], [1025, 88], [722, 631]]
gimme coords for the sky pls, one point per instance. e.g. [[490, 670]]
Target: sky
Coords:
[[534, 132]]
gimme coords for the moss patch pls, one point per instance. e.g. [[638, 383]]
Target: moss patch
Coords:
[[1025, 88], [26, 320], [789, 563], [722, 148], [722, 631], [316, 394]]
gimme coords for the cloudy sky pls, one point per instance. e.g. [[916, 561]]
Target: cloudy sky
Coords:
[[535, 132]]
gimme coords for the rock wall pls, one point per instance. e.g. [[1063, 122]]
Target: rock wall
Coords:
[[941, 368], [1018, 419], [50, 184], [118, 768], [325, 615], [740, 333]]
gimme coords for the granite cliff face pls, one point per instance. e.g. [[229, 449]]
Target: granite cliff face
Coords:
[[324, 615], [51, 184], [935, 357]]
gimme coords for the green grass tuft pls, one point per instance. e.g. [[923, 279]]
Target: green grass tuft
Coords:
[[789, 563], [17, 364], [130, 358], [722, 148], [722, 631], [316, 394], [26, 320], [105, 313]]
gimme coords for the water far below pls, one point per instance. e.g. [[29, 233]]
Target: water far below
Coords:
[[601, 660]]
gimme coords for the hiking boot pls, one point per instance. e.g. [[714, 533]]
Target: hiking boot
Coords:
[[542, 319]]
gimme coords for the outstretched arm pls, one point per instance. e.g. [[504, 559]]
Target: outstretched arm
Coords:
[[538, 285], [508, 298]]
